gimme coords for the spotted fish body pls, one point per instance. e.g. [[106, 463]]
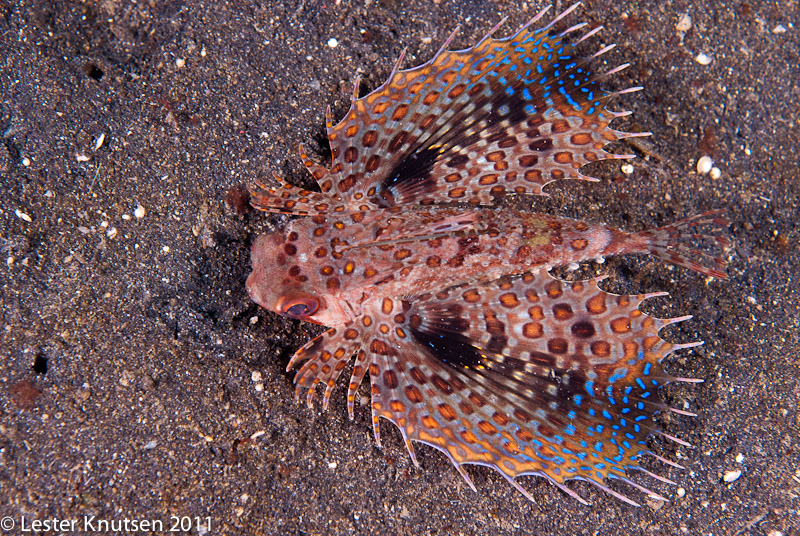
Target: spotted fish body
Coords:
[[445, 300]]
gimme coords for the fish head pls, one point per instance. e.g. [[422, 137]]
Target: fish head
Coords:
[[286, 279]]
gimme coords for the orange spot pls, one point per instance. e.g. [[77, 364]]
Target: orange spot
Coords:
[[553, 289], [446, 412], [597, 304], [373, 163], [563, 157], [501, 419], [536, 312], [400, 112], [456, 91], [621, 325], [533, 175], [524, 435], [487, 428], [452, 177], [532, 330], [468, 437], [350, 155], [562, 311], [379, 347], [509, 299], [557, 346], [581, 138], [601, 348], [379, 108], [349, 267], [631, 349], [429, 422], [486, 180], [495, 156], [369, 138], [471, 296], [430, 98], [390, 379], [413, 394], [433, 261], [522, 415], [387, 305], [417, 376], [397, 407], [351, 131], [441, 384], [476, 400], [580, 243]]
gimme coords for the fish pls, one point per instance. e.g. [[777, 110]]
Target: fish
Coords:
[[444, 296]]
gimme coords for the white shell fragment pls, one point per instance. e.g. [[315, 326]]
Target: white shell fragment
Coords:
[[684, 23], [703, 59], [333, 42], [704, 164], [732, 476], [139, 212], [21, 215], [715, 173], [627, 169], [99, 141]]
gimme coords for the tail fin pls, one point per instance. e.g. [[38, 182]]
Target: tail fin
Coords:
[[673, 243]]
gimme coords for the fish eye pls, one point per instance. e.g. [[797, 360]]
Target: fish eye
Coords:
[[299, 307]]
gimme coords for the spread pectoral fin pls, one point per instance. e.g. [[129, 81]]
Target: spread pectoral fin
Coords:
[[530, 375]]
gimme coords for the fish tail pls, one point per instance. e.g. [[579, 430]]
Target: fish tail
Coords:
[[676, 243]]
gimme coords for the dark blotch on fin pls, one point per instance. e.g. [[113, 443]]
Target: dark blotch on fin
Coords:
[[453, 349], [414, 168]]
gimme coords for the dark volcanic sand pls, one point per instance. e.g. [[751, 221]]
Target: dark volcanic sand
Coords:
[[138, 381]]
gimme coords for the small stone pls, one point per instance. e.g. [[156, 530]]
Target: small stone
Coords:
[[81, 157], [332, 465], [703, 59], [704, 164], [779, 29], [165, 249], [627, 169], [99, 141], [680, 492], [26, 161], [111, 233], [180, 62], [139, 212], [739, 458], [150, 445], [715, 173], [333, 42], [732, 476], [253, 320], [255, 376]]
